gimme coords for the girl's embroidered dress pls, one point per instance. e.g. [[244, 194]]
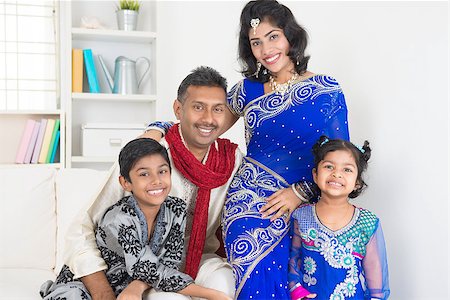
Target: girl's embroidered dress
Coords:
[[280, 131], [122, 238], [349, 263]]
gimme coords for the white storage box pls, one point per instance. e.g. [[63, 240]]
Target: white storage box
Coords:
[[105, 139]]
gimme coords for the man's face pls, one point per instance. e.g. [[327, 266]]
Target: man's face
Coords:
[[203, 116]]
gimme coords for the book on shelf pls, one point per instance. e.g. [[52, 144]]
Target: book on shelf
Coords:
[[39, 140], [25, 141], [55, 147], [52, 141], [77, 70], [91, 72], [46, 141], [32, 143]]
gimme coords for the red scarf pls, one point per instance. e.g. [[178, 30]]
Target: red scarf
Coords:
[[214, 173]]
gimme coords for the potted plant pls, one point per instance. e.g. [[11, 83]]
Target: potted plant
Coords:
[[127, 14]]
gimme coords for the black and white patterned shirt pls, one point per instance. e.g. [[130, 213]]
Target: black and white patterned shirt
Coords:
[[122, 238]]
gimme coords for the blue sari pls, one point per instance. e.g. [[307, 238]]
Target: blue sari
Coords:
[[280, 131]]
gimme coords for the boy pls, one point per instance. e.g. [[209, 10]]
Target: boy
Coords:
[[141, 236]]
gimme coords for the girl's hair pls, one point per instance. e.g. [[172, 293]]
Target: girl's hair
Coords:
[[278, 15], [137, 149], [361, 155]]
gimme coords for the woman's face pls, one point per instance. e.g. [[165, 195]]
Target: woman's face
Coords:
[[270, 47]]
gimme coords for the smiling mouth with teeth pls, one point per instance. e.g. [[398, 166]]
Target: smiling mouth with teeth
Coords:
[[335, 183], [155, 192], [271, 59]]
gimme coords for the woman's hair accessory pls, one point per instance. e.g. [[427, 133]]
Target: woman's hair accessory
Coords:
[[326, 140], [360, 148], [254, 23]]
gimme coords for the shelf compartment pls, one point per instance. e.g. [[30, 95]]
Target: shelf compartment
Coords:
[[10, 165], [113, 97], [144, 37], [31, 112], [94, 159]]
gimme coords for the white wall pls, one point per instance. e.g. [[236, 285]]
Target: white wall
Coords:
[[391, 59]]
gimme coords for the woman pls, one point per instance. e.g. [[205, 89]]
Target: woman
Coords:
[[286, 109]]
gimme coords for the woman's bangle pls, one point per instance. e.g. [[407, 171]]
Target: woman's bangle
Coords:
[[162, 131], [161, 126], [303, 199]]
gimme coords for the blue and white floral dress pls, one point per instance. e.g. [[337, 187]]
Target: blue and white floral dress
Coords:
[[280, 131], [349, 263]]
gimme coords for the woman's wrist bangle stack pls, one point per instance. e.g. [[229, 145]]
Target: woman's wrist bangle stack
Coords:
[[303, 199]]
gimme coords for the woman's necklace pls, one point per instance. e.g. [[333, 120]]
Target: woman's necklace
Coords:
[[282, 88]]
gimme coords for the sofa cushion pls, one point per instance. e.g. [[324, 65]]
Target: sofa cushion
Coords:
[[75, 191], [28, 222], [23, 283]]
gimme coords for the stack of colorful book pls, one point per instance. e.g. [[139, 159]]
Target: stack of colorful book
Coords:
[[40, 142], [80, 58]]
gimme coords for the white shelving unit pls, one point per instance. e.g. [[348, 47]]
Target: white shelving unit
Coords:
[[13, 124], [119, 36], [18, 48], [112, 97], [109, 42]]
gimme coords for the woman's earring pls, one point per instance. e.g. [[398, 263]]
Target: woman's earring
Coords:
[[258, 68]]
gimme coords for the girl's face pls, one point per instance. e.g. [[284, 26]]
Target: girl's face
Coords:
[[270, 47], [336, 174], [150, 181]]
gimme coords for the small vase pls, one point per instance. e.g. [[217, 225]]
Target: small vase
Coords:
[[127, 19]]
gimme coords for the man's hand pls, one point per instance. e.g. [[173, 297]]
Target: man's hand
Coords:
[[98, 286], [133, 291], [283, 202]]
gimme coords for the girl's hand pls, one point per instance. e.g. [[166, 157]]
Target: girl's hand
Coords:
[[310, 296], [283, 202]]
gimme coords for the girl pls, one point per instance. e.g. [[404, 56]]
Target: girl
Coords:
[[338, 249]]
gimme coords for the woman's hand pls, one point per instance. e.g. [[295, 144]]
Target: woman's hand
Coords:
[[283, 202], [152, 134]]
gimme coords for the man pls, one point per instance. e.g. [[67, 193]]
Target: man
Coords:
[[203, 167]]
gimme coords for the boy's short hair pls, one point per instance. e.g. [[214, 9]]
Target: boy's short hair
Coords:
[[137, 149]]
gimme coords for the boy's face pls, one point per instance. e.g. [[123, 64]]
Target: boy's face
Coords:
[[150, 181]]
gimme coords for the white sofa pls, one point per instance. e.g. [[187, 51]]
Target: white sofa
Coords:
[[37, 204]]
